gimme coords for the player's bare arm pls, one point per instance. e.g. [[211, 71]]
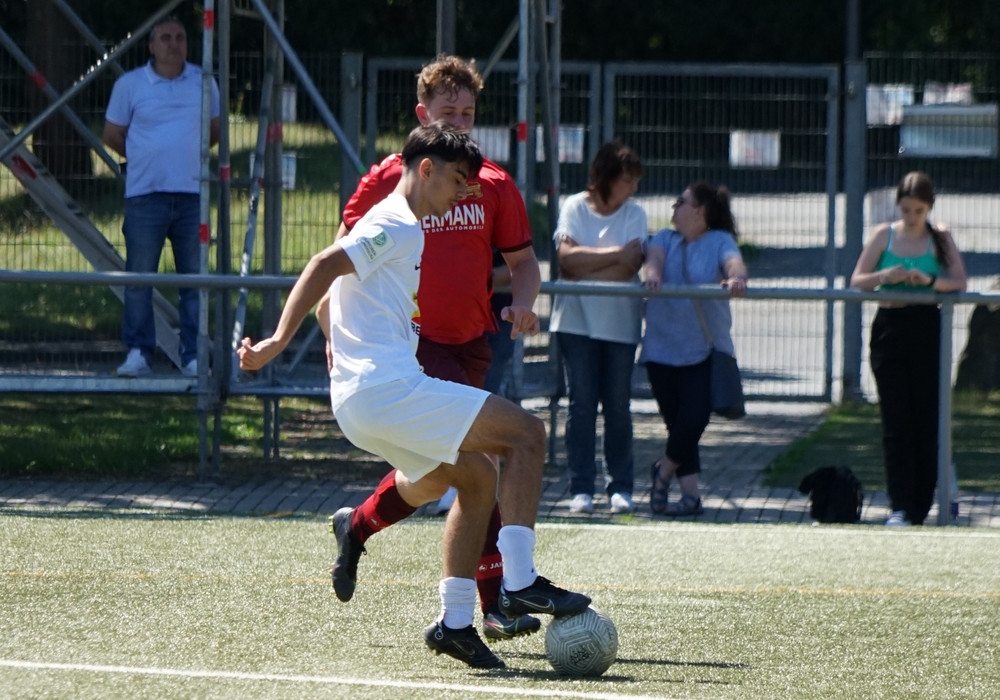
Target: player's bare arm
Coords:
[[525, 281], [312, 285], [342, 231]]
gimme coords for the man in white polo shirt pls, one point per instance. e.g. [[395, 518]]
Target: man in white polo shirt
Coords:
[[154, 120]]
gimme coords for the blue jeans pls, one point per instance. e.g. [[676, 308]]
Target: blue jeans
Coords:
[[599, 372], [150, 220], [503, 351]]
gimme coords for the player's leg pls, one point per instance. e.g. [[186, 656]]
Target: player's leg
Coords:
[[474, 478], [505, 429], [396, 497], [469, 363]]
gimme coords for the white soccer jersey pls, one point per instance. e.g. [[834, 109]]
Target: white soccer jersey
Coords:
[[373, 337]]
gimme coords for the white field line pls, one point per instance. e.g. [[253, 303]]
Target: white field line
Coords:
[[320, 680]]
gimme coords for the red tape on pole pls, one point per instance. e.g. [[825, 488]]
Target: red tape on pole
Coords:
[[39, 80]]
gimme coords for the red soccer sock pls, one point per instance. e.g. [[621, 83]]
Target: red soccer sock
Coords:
[[383, 508], [490, 572]]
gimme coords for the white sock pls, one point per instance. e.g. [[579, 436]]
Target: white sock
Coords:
[[458, 601], [517, 546]]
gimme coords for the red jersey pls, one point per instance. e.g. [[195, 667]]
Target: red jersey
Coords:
[[456, 272]]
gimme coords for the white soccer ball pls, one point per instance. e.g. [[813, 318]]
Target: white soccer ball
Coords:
[[584, 644]]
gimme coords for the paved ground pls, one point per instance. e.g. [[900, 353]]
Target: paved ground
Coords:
[[733, 453]]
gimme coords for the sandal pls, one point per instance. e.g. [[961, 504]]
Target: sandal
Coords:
[[688, 505], [659, 490]]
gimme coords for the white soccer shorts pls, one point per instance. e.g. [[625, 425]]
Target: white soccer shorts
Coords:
[[415, 423]]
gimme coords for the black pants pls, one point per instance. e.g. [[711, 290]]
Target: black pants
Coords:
[[904, 359], [682, 395]]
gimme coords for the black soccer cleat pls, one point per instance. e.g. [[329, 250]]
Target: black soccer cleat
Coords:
[[542, 597], [345, 569], [462, 644], [497, 626]]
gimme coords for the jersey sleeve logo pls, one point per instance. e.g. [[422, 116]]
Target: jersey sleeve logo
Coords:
[[377, 245]]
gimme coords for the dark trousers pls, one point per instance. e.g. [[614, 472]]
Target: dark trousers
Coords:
[[682, 396], [904, 352]]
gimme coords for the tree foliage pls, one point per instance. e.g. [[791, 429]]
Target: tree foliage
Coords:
[[601, 30]]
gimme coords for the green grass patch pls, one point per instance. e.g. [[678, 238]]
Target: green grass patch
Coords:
[[130, 436], [852, 435], [124, 436], [150, 437], [38, 312], [146, 606]]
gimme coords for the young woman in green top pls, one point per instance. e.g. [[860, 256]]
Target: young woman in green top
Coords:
[[909, 254]]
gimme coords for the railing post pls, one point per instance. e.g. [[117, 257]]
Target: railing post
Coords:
[[855, 156], [351, 85], [944, 467]]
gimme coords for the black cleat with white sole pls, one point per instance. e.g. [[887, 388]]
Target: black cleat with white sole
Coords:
[[345, 569], [542, 597], [463, 644]]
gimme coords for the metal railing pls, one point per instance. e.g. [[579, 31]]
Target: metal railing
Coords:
[[211, 389]]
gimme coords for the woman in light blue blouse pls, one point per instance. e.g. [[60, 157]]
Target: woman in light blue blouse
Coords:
[[700, 249]]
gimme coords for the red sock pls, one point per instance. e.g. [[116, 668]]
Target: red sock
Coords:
[[383, 508], [490, 572]]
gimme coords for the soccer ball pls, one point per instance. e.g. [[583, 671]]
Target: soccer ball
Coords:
[[584, 644]]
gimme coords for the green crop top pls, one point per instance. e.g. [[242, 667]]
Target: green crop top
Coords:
[[926, 262]]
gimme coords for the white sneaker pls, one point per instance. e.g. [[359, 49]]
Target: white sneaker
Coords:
[[897, 519], [190, 369], [582, 503], [622, 502], [446, 501], [135, 365]]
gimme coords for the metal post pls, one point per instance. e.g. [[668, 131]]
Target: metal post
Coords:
[[445, 27], [249, 238], [944, 466], [223, 251], [221, 359], [855, 156], [205, 229], [832, 149], [522, 96], [273, 171], [351, 72]]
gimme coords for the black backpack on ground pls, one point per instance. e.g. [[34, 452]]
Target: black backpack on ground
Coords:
[[836, 494]]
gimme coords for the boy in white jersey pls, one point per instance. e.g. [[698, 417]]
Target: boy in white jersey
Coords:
[[425, 427]]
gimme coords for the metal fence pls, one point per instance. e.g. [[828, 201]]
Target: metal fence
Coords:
[[770, 133]]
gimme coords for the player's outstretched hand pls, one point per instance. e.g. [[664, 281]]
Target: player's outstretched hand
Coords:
[[522, 320], [253, 357]]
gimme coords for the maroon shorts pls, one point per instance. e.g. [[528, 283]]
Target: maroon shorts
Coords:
[[465, 363]]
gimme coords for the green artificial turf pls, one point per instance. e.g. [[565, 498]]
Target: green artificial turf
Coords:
[[129, 605]]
